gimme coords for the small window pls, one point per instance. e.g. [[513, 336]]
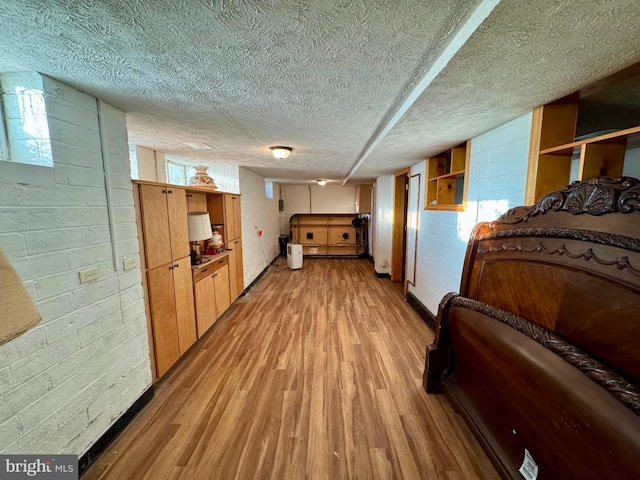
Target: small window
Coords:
[[176, 173], [24, 130], [268, 189]]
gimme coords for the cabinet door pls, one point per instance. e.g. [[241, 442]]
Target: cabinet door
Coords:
[[236, 246], [197, 202], [155, 225], [205, 299], [178, 228], [232, 216], [221, 281], [163, 317], [185, 314], [233, 274]]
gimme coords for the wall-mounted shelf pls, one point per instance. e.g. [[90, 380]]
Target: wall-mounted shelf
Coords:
[[447, 179], [581, 136]]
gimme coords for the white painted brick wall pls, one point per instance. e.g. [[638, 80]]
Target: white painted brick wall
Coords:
[[65, 382], [497, 175], [262, 212]]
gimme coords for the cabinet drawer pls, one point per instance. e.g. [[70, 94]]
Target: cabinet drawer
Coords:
[[209, 268]]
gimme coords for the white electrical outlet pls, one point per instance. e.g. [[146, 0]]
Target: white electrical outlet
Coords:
[[130, 263], [87, 276]]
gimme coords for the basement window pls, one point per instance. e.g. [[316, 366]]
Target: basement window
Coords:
[[176, 173], [24, 130]]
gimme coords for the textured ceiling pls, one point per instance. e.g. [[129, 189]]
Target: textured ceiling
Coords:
[[324, 77]]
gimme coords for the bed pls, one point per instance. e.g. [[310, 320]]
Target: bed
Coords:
[[540, 350]]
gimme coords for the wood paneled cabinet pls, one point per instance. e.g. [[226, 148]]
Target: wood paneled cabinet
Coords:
[[232, 217], [329, 235], [211, 292], [593, 132], [163, 210], [236, 270], [180, 308], [172, 312], [447, 179]]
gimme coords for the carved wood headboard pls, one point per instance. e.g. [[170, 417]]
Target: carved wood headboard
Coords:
[[564, 273]]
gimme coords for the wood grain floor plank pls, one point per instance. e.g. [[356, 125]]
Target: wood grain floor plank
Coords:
[[313, 374]]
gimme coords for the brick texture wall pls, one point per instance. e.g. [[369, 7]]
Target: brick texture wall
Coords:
[[258, 213], [64, 383], [497, 175]]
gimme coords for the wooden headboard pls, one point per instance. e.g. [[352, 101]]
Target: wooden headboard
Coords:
[[540, 351]]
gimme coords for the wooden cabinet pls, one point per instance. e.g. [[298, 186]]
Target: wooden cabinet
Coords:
[[447, 179], [593, 132], [211, 292], [232, 216], [197, 202], [181, 308], [329, 235], [225, 210], [172, 312], [164, 224], [236, 269], [363, 198]]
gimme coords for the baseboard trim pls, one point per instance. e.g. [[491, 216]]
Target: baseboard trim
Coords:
[[423, 311], [382, 275], [85, 461]]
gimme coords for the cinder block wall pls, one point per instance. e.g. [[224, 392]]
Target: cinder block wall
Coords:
[[64, 383], [497, 176], [258, 213]]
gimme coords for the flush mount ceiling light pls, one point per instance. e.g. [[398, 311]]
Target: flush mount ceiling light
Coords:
[[321, 182], [281, 152]]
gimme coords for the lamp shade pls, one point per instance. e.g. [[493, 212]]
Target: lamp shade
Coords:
[[199, 226]]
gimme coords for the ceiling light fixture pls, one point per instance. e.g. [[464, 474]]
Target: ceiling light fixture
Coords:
[[281, 152], [321, 182]]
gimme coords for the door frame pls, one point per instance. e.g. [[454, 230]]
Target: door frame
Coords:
[[399, 227]]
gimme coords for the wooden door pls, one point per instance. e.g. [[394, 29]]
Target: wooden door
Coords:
[[233, 273], [178, 228], [237, 215], [229, 219], [155, 225], [185, 314], [221, 281], [205, 300], [232, 216], [197, 202], [236, 245], [163, 317]]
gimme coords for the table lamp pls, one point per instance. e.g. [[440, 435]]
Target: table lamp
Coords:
[[199, 229]]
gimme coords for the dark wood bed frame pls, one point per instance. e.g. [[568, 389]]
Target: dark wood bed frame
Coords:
[[540, 351]]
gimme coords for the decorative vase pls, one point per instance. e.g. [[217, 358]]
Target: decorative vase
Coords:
[[201, 178]]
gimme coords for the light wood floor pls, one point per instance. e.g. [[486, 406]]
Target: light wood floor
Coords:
[[313, 374]]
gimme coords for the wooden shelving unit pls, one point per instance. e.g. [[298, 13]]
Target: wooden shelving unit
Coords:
[[328, 234], [554, 149], [446, 187]]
